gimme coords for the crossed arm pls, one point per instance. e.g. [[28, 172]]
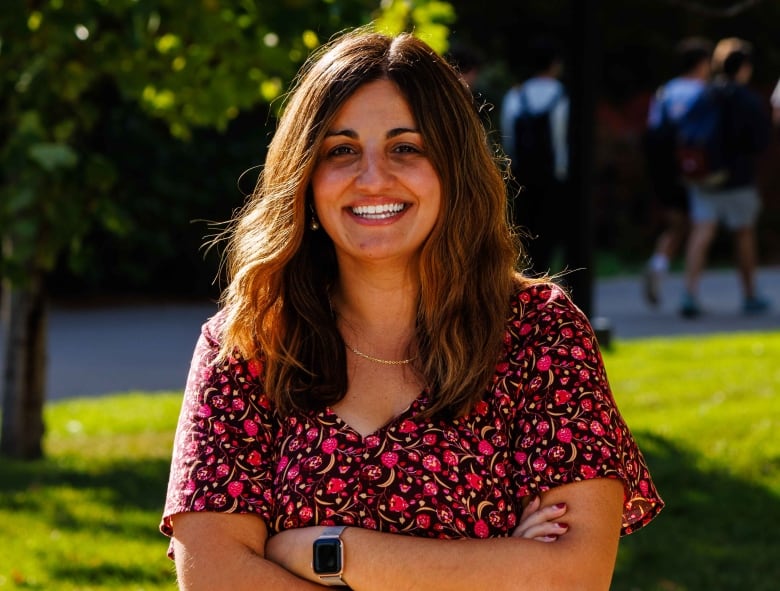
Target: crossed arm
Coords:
[[233, 552]]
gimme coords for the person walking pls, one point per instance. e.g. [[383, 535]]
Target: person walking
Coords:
[[534, 130], [736, 202], [671, 102]]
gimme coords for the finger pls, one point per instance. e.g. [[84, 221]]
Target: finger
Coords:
[[532, 517], [547, 528], [531, 507]]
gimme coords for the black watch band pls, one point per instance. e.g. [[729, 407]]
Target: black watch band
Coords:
[[328, 557]]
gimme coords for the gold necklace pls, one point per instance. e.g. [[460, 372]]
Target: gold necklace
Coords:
[[378, 360], [363, 355]]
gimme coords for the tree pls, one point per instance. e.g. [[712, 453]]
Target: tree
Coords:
[[192, 64]]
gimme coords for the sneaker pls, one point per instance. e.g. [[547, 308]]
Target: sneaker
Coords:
[[689, 308], [651, 283], [755, 305]]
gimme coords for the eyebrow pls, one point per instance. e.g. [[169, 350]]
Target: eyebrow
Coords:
[[352, 134]]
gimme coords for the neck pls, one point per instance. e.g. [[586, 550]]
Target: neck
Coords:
[[376, 317], [701, 72], [378, 297], [373, 309]]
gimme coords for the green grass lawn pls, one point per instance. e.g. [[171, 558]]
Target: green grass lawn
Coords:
[[706, 411]]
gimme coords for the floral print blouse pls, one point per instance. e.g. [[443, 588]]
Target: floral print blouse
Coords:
[[548, 418]]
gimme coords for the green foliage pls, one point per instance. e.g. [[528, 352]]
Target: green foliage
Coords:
[[194, 65], [428, 19], [86, 517]]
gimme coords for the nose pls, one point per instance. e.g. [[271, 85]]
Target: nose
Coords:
[[374, 173]]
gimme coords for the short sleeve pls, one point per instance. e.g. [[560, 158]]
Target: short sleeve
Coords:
[[776, 96], [222, 453], [567, 426]]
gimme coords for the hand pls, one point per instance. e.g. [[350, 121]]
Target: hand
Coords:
[[292, 550], [541, 523]]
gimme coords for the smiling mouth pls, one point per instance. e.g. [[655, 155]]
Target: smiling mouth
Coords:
[[378, 212]]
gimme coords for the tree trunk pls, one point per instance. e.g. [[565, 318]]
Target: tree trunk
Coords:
[[24, 369]]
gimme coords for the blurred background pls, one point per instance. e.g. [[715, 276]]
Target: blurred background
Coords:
[[129, 127]]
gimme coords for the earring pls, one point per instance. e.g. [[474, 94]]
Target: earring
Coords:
[[314, 223]]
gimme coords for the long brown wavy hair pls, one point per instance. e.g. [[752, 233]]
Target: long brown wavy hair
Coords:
[[279, 269]]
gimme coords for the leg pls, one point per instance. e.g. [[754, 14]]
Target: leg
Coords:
[[696, 252], [741, 211], [745, 250], [667, 245], [673, 236], [543, 231]]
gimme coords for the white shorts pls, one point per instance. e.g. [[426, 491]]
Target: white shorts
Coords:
[[736, 208]]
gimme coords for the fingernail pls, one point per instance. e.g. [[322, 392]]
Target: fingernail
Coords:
[[562, 525], [559, 506]]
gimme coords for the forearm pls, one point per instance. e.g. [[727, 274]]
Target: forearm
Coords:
[[216, 552], [379, 562], [583, 558], [375, 561], [244, 572]]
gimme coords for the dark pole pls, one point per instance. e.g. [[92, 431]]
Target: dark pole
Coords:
[[584, 74]]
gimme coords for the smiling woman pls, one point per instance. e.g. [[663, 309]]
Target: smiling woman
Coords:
[[380, 380]]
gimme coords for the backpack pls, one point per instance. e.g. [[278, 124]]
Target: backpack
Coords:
[[659, 144], [534, 154], [702, 144]]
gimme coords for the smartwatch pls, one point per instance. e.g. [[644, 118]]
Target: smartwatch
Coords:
[[328, 557]]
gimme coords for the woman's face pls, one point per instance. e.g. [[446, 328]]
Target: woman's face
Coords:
[[376, 193]]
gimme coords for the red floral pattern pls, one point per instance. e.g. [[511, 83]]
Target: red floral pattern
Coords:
[[547, 419]]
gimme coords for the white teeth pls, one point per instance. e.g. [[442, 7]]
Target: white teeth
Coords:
[[378, 211]]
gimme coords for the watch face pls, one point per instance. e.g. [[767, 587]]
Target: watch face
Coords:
[[327, 557]]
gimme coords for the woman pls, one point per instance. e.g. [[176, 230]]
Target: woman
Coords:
[[379, 364]]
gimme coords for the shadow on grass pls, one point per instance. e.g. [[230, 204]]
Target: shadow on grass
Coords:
[[717, 531], [105, 574], [115, 487]]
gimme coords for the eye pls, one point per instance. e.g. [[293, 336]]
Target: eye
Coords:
[[408, 149], [341, 150]]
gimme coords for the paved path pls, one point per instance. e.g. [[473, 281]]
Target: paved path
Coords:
[[116, 349], [621, 302]]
